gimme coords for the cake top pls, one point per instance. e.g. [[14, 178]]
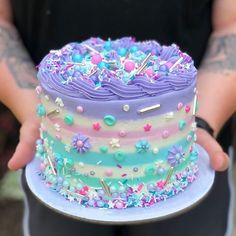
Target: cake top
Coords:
[[116, 70]]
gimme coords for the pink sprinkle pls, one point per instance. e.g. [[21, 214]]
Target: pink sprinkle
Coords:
[[140, 187], [119, 205], [161, 184], [190, 148], [169, 64], [96, 126], [119, 166], [165, 134], [79, 109], [44, 129], [96, 59], [122, 133], [147, 127], [58, 136], [187, 108], [180, 105], [38, 90], [129, 66], [108, 173], [42, 166], [123, 175], [150, 72]]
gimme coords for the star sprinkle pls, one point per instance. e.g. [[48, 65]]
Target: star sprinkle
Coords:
[[67, 147], [59, 102], [96, 126], [147, 127], [115, 143], [57, 127]]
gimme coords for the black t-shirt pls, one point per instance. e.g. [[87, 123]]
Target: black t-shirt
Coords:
[[49, 24]]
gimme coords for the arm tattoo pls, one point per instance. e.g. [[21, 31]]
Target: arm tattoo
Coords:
[[17, 60], [221, 54]]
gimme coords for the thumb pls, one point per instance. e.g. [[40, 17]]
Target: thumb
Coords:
[[218, 158], [25, 149]]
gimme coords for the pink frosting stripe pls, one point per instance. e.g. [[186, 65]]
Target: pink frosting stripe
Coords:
[[151, 135]]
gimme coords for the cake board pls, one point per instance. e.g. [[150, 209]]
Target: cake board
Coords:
[[194, 193]]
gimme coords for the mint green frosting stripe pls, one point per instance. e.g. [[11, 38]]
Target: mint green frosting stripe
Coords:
[[91, 158], [95, 182]]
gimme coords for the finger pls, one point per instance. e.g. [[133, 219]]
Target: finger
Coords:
[[218, 158], [25, 150]]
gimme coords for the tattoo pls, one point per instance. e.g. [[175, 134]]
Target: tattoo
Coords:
[[221, 54], [17, 60]]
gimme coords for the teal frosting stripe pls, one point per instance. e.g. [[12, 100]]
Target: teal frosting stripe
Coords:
[[95, 182], [92, 158]]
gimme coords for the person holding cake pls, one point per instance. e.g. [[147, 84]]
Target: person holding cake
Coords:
[[187, 24]]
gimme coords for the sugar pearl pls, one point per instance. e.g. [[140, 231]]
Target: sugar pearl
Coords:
[[180, 105], [129, 66], [122, 133], [108, 173], [150, 72], [96, 59], [119, 205], [165, 134], [79, 109]]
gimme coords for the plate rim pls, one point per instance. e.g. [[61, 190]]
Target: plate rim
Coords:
[[203, 153]]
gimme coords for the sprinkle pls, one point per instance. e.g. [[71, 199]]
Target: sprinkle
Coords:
[[51, 165], [194, 105], [79, 109], [54, 112], [73, 193], [59, 102], [92, 72], [123, 175], [144, 63], [96, 126], [119, 166], [180, 105], [106, 188], [155, 150], [170, 172], [169, 115], [140, 187], [147, 127], [126, 107], [57, 127], [99, 162], [146, 109], [176, 63], [90, 48], [187, 108], [115, 143]]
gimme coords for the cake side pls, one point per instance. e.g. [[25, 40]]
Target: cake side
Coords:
[[118, 151]]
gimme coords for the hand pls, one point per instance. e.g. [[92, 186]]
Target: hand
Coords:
[[218, 158], [25, 149]]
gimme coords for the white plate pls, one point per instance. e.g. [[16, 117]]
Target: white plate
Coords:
[[175, 205]]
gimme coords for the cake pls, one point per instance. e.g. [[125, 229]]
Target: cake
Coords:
[[117, 122]]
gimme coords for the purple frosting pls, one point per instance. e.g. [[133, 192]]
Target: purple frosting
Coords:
[[74, 72]]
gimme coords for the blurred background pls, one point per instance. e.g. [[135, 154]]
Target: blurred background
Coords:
[[11, 195]]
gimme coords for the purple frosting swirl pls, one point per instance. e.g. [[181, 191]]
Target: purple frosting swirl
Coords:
[[75, 71]]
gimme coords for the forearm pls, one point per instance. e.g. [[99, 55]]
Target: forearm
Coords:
[[17, 74], [217, 78]]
